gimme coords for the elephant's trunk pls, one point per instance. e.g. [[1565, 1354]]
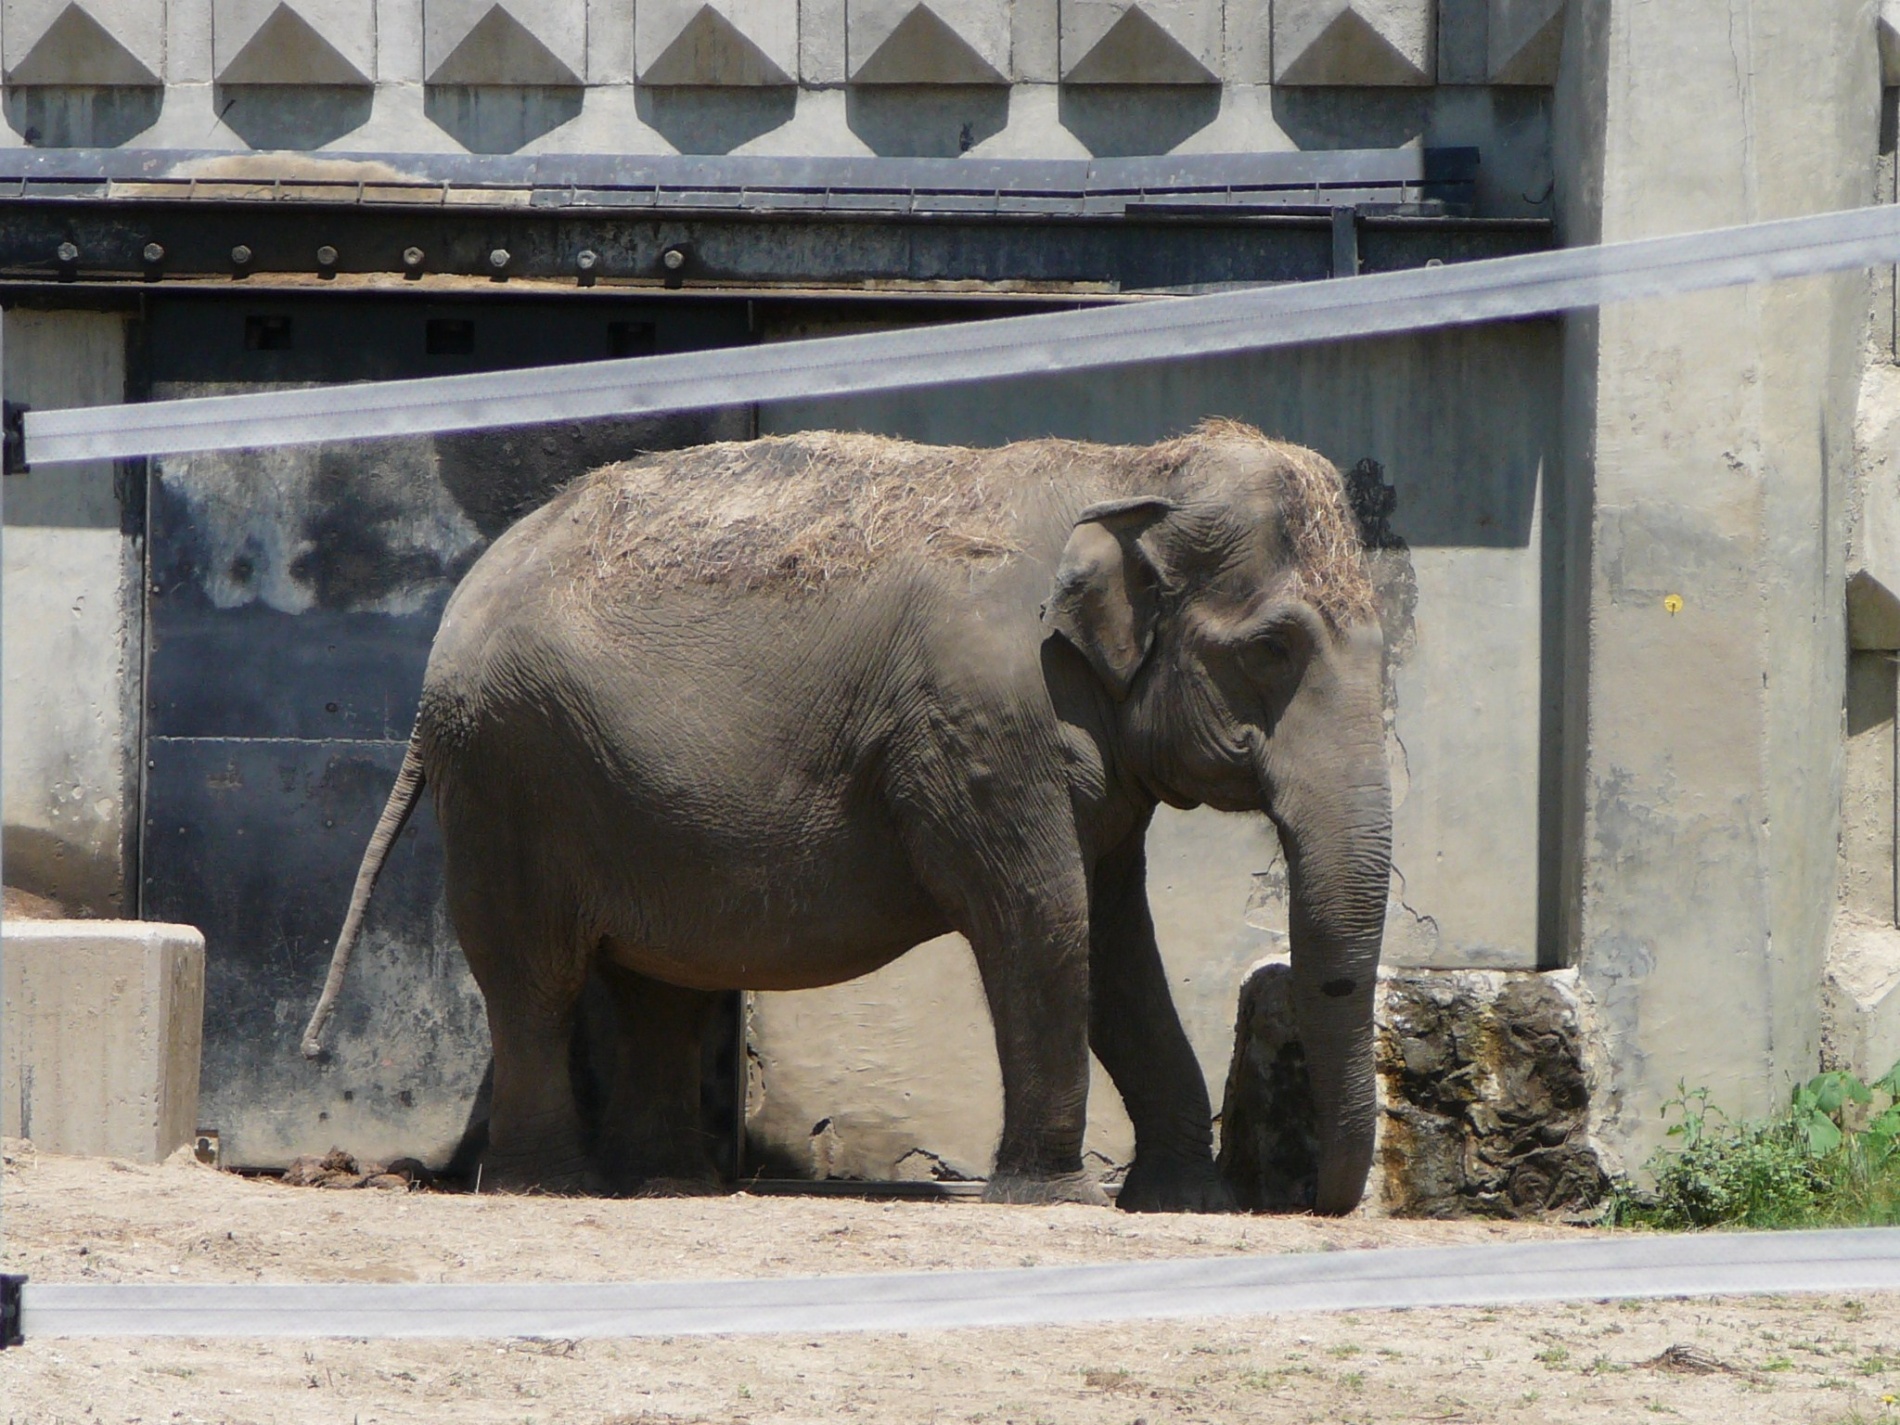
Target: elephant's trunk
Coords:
[[1338, 845]]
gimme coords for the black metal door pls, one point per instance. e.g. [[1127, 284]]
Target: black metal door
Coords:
[[291, 600]]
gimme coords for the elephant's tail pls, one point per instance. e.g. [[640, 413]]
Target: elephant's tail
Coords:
[[402, 801]]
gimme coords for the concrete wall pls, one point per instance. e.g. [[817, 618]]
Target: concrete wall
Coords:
[[1708, 440], [997, 78], [70, 648], [1587, 771], [901, 1063]]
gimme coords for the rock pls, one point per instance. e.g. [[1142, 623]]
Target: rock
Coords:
[[1483, 1087], [1268, 1147]]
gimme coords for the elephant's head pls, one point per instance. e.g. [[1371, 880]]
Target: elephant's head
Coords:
[[1229, 615]]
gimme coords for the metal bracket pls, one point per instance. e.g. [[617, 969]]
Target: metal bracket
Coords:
[[1345, 242], [10, 1294], [13, 441]]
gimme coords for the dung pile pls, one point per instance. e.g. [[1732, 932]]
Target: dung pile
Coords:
[[337, 1169]]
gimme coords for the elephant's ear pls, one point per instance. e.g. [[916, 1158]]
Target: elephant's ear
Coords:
[[1106, 596]]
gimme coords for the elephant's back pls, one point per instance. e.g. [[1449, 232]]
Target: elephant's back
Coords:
[[801, 515]]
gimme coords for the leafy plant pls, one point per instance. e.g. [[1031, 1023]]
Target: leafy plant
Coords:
[[1831, 1159]]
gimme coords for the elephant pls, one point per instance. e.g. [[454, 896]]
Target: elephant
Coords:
[[768, 714]]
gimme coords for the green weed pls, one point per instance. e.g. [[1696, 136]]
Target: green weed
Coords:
[[1831, 1159]]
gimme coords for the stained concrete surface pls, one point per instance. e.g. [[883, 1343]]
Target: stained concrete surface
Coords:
[[70, 641]]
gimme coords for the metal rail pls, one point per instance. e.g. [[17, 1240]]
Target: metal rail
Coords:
[[1617, 1268]]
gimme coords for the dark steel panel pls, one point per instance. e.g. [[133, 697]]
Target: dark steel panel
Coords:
[[355, 336], [292, 598], [256, 841], [1150, 246]]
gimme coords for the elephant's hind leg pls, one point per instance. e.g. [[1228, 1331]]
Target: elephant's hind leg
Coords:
[[530, 959]]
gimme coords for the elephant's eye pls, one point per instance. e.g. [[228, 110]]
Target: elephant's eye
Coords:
[[1268, 657]]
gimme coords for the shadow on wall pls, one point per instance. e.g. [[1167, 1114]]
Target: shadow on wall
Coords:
[[85, 882], [82, 115], [499, 118], [709, 120], [936, 121], [1123, 120], [1511, 125], [276, 116]]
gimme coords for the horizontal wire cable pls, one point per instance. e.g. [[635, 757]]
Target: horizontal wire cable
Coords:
[[1163, 329], [1622, 1267]]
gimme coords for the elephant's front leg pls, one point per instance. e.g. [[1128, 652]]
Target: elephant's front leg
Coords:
[[1136, 1033], [1008, 875], [1034, 966]]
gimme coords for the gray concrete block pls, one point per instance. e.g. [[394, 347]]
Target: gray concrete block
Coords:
[[100, 1041], [1860, 1029]]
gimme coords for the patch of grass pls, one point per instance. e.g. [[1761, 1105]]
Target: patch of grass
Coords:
[[1831, 1159], [1555, 1357]]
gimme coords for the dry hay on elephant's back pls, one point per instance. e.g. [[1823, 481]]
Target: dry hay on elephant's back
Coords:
[[1328, 547], [801, 512], [798, 512]]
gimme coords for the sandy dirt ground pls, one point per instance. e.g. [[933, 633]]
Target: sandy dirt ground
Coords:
[[1808, 1359]]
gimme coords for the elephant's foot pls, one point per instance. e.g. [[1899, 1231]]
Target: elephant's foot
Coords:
[[563, 1178], [1042, 1191], [656, 1166], [695, 1186], [1174, 1185]]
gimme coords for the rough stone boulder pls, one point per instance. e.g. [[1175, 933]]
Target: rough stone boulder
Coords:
[[1484, 1090]]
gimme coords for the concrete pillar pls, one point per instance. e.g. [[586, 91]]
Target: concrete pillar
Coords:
[[72, 638], [1707, 444]]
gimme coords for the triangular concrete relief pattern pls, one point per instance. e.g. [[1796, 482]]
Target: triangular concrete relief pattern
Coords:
[[711, 50], [286, 49], [923, 49], [1374, 43], [1526, 39], [500, 50], [1353, 42], [1137, 49], [77, 49]]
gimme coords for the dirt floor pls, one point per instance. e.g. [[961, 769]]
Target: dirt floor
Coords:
[[1819, 1359]]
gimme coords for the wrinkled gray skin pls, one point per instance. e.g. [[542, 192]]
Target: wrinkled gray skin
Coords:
[[703, 790]]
